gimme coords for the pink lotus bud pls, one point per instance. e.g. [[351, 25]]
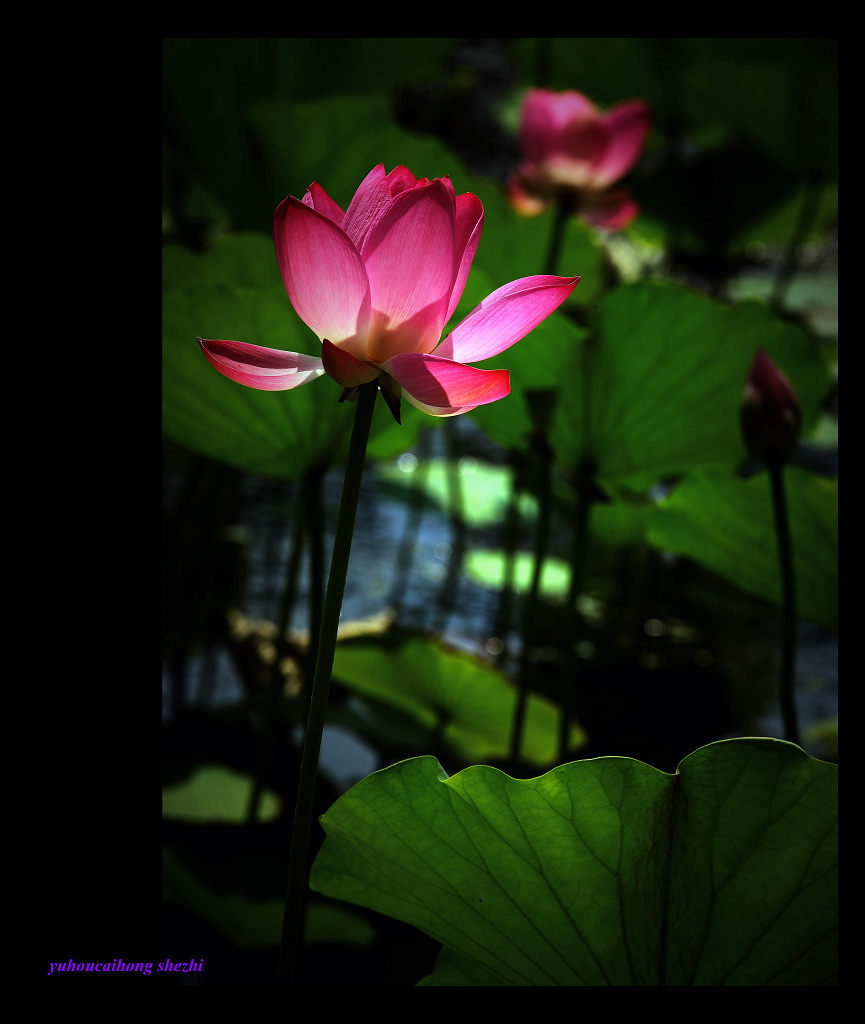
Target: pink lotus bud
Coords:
[[771, 415]]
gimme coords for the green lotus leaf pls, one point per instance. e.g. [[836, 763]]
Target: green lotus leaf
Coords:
[[605, 871], [727, 524], [469, 703], [214, 793]]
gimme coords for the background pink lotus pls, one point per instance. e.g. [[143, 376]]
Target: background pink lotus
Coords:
[[570, 147], [378, 282]]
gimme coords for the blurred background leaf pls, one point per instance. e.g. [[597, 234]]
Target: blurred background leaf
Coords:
[[726, 524], [463, 703]]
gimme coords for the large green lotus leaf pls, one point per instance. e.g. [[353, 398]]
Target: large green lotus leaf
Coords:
[[602, 872], [269, 433], [469, 702], [727, 524], [654, 388], [657, 390], [280, 434]]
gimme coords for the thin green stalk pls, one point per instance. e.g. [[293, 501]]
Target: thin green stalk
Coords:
[[313, 500], [267, 736], [579, 546], [564, 210], [292, 927], [812, 188], [786, 682], [541, 404], [544, 458]]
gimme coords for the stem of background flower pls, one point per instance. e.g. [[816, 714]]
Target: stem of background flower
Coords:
[[540, 409], [786, 676], [268, 729], [572, 620], [313, 509], [292, 926], [563, 212], [543, 454], [812, 187]]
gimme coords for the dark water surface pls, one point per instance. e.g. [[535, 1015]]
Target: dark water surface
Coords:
[[681, 651]]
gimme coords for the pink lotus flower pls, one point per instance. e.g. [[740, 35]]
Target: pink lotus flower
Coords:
[[377, 284], [570, 148], [771, 415]]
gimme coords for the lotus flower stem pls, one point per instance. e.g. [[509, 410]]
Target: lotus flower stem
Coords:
[[540, 406], [812, 189], [544, 463], [564, 210], [313, 505], [303, 814], [579, 545], [265, 740], [787, 673]]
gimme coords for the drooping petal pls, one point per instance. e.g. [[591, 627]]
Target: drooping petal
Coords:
[[469, 225], [611, 210], [324, 275], [529, 204], [409, 257], [266, 369], [320, 201], [344, 368], [505, 316], [442, 387], [628, 125]]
